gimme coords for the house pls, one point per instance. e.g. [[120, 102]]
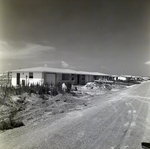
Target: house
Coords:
[[125, 77], [145, 78], [48, 75], [136, 78]]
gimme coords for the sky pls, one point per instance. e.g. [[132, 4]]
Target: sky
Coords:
[[107, 36]]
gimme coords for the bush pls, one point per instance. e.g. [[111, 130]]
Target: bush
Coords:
[[33, 88]]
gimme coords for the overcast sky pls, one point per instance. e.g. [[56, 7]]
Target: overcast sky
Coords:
[[107, 36]]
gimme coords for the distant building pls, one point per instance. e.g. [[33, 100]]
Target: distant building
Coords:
[[145, 78], [125, 77], [48, 75]]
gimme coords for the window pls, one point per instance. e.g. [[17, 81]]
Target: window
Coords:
[[65, 76], [72, 77], [31, 75], [83, 77], [96, 77]]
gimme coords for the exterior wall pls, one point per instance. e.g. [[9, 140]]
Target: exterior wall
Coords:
[[58, 77], [72, 79], [89, 78], [115, 78], [23, 77], [14, 80], [37, 78], [74, 82], [96, 77], [81, 80], [103, 77], [50, 78], [68, 79]]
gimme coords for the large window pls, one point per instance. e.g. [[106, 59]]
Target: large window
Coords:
[[65, 77], [96, 77], [31, 75]]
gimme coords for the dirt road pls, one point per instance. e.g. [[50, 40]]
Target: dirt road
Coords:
[[121, 120]]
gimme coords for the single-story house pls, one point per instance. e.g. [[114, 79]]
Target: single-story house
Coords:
[[145, 78], [136, 78], [125, 77], [48, 75]]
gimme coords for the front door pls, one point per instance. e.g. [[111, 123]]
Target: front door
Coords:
[[82, 79], [18, 78], [50, 78]]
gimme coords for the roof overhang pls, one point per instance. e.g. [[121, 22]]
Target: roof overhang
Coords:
[[58, 70]]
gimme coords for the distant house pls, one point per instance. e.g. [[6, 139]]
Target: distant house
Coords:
[[145, 78], [125, 77], [114, 77], [136, 78], [48, 75]]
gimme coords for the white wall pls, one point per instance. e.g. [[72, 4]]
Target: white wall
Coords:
[[37, 78], [14, 80], [122, 78], [23, 76]]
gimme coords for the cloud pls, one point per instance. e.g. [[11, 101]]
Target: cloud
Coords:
[[64, 64], [45, 65], [147, 63], [72, 67], [25, 50], [104, 67], [45, 62]]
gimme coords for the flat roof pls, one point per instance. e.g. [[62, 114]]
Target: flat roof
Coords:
[[58, 70]]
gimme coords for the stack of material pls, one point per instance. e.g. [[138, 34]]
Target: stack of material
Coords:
[[91, 85]]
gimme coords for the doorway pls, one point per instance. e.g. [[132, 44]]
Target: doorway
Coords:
[[18, 78], [78, 79]]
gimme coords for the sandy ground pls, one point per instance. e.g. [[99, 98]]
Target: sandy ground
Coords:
[[112, 120]]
